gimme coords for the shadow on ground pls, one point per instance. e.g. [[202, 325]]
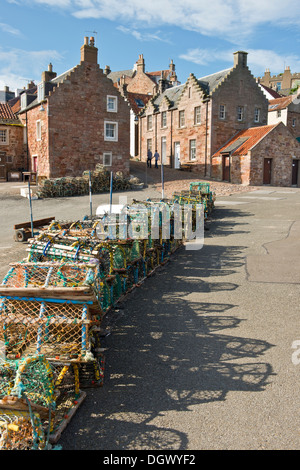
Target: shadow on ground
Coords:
[[170, 349]]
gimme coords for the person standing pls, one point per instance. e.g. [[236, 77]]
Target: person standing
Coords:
[[149, 158], [156, 156]]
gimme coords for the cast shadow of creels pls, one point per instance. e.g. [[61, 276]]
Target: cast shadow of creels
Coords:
[[170, 351]]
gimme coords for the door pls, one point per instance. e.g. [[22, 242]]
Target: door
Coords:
[[3, 167], [34, 164], [267, 170], [295, 172], [225, 165], [177, 155]]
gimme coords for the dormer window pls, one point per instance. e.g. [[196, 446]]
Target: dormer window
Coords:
[[23, 101], [41, 91]]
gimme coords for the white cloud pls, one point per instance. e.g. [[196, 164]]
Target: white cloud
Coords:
[[227, 18], [22, 66], [258, 59], [6, 28], [144, 36]]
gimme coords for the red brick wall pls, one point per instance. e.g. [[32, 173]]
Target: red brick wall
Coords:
[[73, 129], [37, 148], [279, 145], [141, 83], [191, 98], [238, 89], [15, 148]]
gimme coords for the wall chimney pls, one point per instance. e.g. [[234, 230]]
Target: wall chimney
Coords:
[[140, 65], [48, 75], [89, 52], [240, 59]]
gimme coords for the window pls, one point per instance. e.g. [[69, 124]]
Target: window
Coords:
[[111, 131], [38, 130], [278, 85], [3, 136], [149, 144], [164, 119], [294, 123], [197, 115], [256, 115], [240, 113], [181, 119], [279, 113], [107, 159], [222, 111], [193, 149], [149, 123], [23, 101], [112, 104], [41, 91]]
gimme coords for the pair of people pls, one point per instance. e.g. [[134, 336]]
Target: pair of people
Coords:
[[149, 158]]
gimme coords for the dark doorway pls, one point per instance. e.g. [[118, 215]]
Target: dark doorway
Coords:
[[267, 170], [225, 166], [295, 165]]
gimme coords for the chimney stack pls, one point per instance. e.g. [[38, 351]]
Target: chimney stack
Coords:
[[140, 65], [48, 75], [88, 51], [240, 59]]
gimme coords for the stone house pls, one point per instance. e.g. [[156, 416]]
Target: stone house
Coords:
[[259, 155], [77, 120], [137, 86], [287, 110], [282, 82], [188, 123], [12, 144]]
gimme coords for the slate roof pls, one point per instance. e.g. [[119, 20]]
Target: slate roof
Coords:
[[244, 140], [208, 83], [115, 76]]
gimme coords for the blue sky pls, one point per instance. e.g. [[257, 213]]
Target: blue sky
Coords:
[[199, 35]]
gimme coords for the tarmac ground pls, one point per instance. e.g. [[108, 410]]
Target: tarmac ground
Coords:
[[205, 353]]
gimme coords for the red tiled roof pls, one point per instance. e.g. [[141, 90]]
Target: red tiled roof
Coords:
[[132, 97], [245, 140], [6, 112], [280, 103]]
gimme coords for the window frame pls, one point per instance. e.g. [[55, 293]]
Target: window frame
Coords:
[[181, 118], [256, 114], [5, 133], [222, 111], [107, 154], [192, 150], [197, 115], [109, 138], [149, 122], [115, 100], [240, 113], [164, 119], [38, 129]]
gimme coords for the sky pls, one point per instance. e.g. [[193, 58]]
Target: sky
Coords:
[[200, 36]]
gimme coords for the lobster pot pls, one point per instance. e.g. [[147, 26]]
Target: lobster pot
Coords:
[[21, 430], [44, 326]]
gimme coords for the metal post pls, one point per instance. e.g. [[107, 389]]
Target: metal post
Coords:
[[111, 189], [30, 205], [162, 180], [90, 191]]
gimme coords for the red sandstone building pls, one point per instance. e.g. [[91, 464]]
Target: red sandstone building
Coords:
[[259, 155], [187, 124], [12, 144], [77, 119]]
